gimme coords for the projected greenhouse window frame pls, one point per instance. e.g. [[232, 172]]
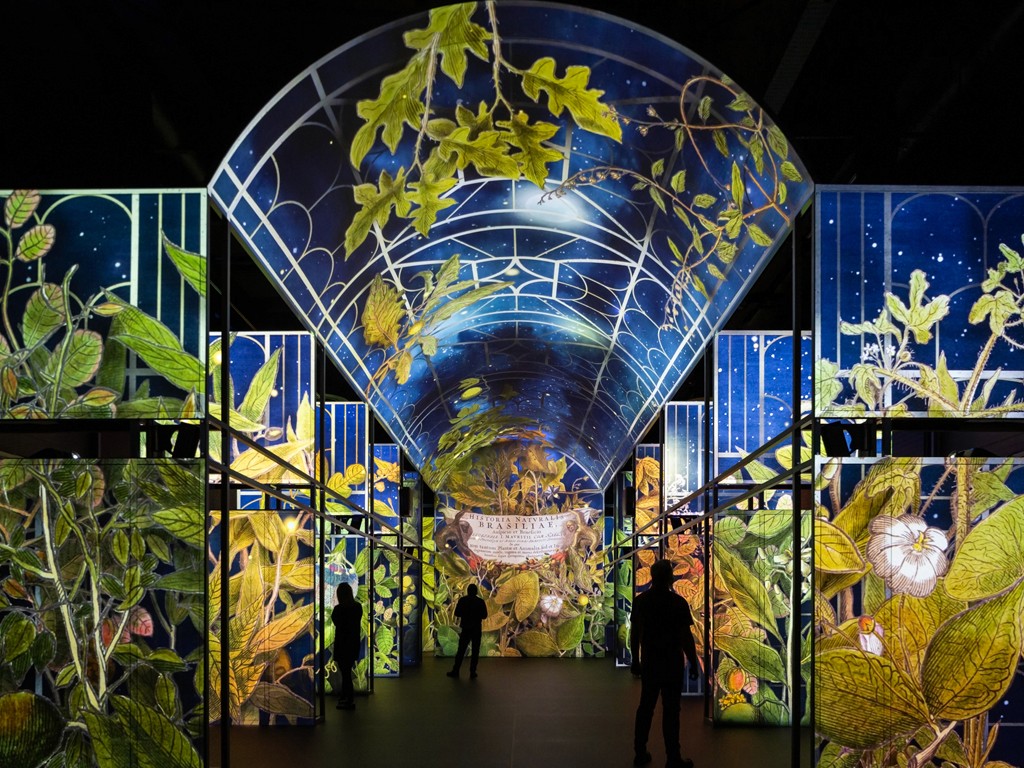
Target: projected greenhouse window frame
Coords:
[[539, 257]]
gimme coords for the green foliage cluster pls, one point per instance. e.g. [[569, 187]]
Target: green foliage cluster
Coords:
[[887, 363], [270, 592], [102, 578], [402, 323], [714, 207], [552, 607], [497, 140], [54, 362], [946, 658], [752, 615], [913, 678]]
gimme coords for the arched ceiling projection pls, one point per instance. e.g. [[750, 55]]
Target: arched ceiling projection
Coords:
[[513, 222]]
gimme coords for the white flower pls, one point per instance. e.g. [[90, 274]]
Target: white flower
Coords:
[[550, 605], [871, 633], [907, 554]]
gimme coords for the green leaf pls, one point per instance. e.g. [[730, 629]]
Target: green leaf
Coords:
[[790, 171], [742, 103], [758, 235], [20, 206], [383, 314], [678, 182], [281, 700], [746, 589], [36, 242], [30, 730], [533, 157], [536, 643], [999, 308], [283, 629], [972, 659], [121, 546], [466, 300], [189, 581], [570, 92], [704, 108], [991, 558], [403, 367], [426, 195], [184, 523], [398, 104], [704, 201], [375, 204], [452, 35], [44, 313], [737, 185], [658, 198], [110, 744], [777, 141], [18, 633], [918, 317], [81, 359], [485, 152], [834, 550], [159, 348], [729, 531], [863, 700], [155, 736], [191, 266], [910, 623], [721, 142], [260, 388], [523, 590], [133, 589], [754, 656], [569, 633]]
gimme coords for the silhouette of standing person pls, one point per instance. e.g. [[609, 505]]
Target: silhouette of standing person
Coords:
[[347, 618], [471, 611], [659, 636]]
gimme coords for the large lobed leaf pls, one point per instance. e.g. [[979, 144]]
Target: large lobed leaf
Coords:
[[991, 558], [452, 35], [571, 92]]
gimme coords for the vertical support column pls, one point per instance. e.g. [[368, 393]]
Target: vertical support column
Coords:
[[707, 474], [795, 597], [225, 506], [319, 502]]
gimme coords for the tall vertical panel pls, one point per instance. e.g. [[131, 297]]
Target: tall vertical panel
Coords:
[[346, 448], [754, 390], [102, 577], [104, 305], [273, 543], [919, 302], [919, 565]]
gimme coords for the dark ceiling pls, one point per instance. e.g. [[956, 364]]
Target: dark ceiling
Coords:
[[152, 93]]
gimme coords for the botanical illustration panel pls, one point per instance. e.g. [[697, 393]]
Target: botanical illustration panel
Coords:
[[103, 304], [921, 297], [919, 566], [102, 602], [684, 450]]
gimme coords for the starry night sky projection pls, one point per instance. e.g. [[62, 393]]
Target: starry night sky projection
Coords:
[[587, 343], [113, 240], [871, 239]]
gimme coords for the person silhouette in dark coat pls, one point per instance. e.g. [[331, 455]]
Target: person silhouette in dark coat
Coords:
[[347, 618], [471, 611], [659, 637]]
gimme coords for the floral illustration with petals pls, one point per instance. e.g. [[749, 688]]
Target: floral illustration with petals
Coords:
[[907, 554]]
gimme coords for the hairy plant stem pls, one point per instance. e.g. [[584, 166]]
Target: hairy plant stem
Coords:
[[65, 605]]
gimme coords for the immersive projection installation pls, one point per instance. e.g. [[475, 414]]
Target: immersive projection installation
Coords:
[[502, 235], [103, 304]]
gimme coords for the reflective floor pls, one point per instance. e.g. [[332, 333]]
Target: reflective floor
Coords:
[[519, 713]]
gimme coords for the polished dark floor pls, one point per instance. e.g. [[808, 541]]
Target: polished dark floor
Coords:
[[519, 713]]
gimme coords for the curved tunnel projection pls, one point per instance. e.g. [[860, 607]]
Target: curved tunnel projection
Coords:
[[513, 222]]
